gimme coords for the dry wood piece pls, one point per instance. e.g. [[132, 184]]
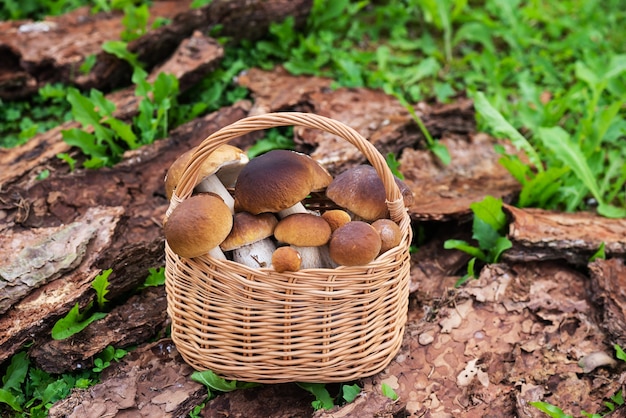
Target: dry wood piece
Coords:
[[35, 53], [446, 192], [550, 235], [134, 322], [151, 381], [608, 285], [194, 58], [126, 203]]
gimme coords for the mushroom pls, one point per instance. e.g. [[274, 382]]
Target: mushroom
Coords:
[[278, 181], [361, 191], [390, 233], [198, 225], [218, 171], [286, 259], [336, 218], [354, 244], [250, 239], [305, 232]]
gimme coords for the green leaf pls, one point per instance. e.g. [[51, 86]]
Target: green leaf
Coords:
[[323, 400], [499, 126], [83, 109], [551, 410], [455, 244], [74, 322], [441, 151], [350, 392], [470, 273], [388, 391], [214, 382], [10, 399], [619, 352], [86, 142], [155, 278], [501, 245], [124, 131], [484, 234], [489, 210], [16, 372], [394, 165], [120, 50], [100, 284], [600, 254]]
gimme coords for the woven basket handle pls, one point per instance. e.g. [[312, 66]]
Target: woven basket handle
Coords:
[[188, 179]]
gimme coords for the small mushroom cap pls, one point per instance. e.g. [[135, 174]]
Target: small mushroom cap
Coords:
[[361, 191], [336, 218], [225, 159], [286, 259], [248, 229], [354, 244], [303, 230], [277, 180], [197, 225], [390, 233]]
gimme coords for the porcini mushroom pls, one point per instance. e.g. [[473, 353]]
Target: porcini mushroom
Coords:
[[390, 233], [305, 232], [354, 244], [250, 239], [198, 225], [361, 191], [218, 171], [277, 182], [336, 218], [286, 259]]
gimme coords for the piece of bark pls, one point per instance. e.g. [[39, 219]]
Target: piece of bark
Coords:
[[194, 58], [277, 401], [367, 404], [551, 235], [130, 202], [608, 291], [152, 381], [446, 192], [134, 322], [36, 53]]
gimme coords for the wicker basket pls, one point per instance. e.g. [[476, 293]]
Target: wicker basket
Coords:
[[314, 325]]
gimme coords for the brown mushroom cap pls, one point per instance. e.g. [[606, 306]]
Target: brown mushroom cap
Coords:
[[354, 244], [198, 225], [303, 230], [286, 259], [277, 180], [226, 160], [248, 229], [390, 233], [361, 191], [336, 218]]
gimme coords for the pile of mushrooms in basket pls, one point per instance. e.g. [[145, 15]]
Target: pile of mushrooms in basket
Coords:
[[262, 212]]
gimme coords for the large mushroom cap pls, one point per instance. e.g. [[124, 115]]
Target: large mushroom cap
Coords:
[[198, 225], [361, 191], [277, 180], [354, 244], [303, 230], [248, 229], [226, 161]]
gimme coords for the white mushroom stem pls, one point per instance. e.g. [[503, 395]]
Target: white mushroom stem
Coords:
[[212, 184], [255, 255], [312, 257], [297, 208], [217, 253]]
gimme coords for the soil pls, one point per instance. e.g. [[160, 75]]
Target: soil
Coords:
[[539, 326]]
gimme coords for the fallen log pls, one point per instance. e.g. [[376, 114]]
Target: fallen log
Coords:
[[36, 53], [551, 235], [134, 322], [125, 203]]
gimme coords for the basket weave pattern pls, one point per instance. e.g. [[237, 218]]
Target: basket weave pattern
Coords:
[[314, 325]]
